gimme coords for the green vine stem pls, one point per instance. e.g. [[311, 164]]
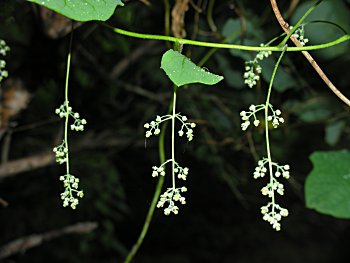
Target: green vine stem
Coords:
[[228, 46]]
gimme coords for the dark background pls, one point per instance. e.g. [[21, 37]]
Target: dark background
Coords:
[[117, 85]]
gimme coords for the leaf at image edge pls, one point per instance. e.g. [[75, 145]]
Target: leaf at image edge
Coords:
[[327, 187], [82, 10], [181, 70]]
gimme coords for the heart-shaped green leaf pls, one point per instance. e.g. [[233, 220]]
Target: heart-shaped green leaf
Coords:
[[82, 10], [327, 188], [181, 70]]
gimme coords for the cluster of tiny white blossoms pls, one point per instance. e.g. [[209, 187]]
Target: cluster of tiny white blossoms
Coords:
[[71, 184], [299, 34], [272, 212], [253, 69], [153, 126], [78, 124], [61, 152], [3, 51], [274, 117], [181, 172], [171, 196]]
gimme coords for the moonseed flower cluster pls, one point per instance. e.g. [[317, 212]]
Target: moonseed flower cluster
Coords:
[[78, 124], [70, 182], [299, 34], [272, 212], [274, 116], [171, 196], [253, 69], [178, 170], [61, 152], [186, 127], [3, 51]]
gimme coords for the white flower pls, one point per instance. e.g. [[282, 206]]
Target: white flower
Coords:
[[245, 125], [183, 200], [286, 175], [252, 107], [148, 134], [167, 211], [264, 210], [284, 212], [185, 171], [175, 210], [265, 191]]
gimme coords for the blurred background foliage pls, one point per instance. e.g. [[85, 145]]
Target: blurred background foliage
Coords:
[[117, 85]]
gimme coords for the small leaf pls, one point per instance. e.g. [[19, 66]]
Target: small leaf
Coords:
[[181, 70], [327, 188], [334, 131], [82, 10], [315, 109]]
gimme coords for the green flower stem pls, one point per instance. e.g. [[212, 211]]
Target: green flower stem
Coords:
[[173, 137], [67, 102], [291, 32], [228, 46], [267, 104]]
